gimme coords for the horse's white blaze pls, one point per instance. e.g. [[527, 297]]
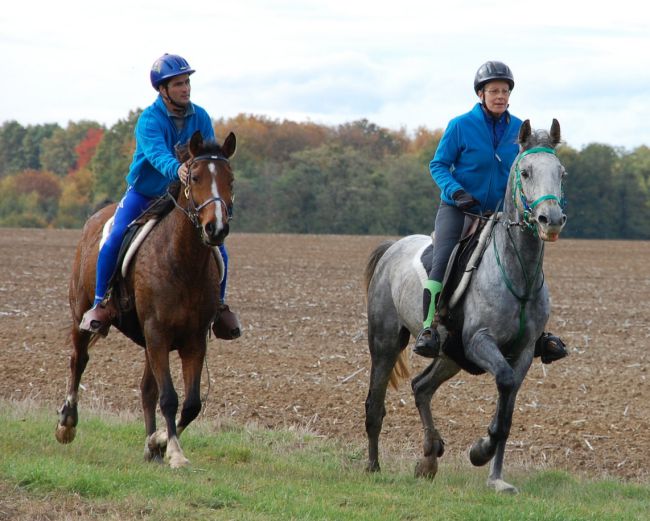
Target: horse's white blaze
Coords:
[[215, 193]]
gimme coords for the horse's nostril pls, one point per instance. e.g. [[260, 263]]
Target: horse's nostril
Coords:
[[563, 219], [209, 229], [542, 219]]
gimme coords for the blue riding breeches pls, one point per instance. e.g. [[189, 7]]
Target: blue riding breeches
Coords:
[[224, 255], [129, 208], [448, 229]]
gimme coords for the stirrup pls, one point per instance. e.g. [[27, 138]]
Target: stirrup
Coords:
[[427, 343]]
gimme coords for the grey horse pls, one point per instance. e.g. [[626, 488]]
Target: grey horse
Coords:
[[497, 320]]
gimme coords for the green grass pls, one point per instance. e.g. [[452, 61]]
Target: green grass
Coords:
[[244, 473]]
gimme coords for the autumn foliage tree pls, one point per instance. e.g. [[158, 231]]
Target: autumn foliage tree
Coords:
[[302, 177]]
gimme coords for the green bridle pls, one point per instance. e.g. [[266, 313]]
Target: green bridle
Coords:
[[518, 190]]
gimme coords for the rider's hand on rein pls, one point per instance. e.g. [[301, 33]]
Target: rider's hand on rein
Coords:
[[182, 173]]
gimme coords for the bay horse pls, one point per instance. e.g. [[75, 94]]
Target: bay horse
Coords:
[[496, 322], [173, 281]]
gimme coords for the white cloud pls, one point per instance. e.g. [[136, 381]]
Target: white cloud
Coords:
[[398, 65]]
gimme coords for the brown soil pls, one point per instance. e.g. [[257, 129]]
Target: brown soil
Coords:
[[303, 360]]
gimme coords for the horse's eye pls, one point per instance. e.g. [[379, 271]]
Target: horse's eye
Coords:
[[525, 174], [195, 179]]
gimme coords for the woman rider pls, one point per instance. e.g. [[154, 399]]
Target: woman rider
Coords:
[[471, 167]]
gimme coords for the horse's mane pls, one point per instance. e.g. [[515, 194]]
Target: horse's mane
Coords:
[[209, 147]]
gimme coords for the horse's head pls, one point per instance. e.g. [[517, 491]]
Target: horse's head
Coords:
[[536, 181], [209, 188]]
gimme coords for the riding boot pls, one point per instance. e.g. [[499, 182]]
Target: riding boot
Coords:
[[550, 348], [98, 318], [427, 343], [226, 324]]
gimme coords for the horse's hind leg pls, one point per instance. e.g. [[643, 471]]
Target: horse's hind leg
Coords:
[[385, 347], [424, 386], [66, 428]]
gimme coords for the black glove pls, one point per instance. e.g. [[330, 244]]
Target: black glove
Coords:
[[464, 200]]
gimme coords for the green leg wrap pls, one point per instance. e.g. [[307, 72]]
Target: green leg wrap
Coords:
[[432, 289]]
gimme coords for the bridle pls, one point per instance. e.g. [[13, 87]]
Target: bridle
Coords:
[[518, 190], [518, 195], [192, 211]]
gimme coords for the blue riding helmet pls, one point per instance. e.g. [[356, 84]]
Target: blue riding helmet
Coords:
[[168, 66]]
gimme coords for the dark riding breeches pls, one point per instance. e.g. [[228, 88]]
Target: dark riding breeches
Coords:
[[448, 229]]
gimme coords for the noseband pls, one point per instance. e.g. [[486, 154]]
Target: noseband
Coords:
[[192, 211], [518, 190]]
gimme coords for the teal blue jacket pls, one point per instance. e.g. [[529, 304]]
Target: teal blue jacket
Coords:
[[467, 158], [154, 163]]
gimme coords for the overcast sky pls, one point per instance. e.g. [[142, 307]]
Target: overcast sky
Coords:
[[406, 63]]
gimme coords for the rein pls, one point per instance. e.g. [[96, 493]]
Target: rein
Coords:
[[518, 195], [518, 190], [192, 211], [529, 291]]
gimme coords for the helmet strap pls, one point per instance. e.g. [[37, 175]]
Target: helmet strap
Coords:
[[177, 107]]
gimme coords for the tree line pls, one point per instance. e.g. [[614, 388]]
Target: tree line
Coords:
[[291, 177]]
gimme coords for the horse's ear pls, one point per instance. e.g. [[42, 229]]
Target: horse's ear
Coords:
[[556, 137], [196, 142], [524, 132], [229, 145]]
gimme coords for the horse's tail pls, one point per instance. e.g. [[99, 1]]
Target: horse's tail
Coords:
[[377, 254], [401, 370]]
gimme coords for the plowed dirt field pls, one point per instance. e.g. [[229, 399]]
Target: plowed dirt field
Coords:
[[303, 359]]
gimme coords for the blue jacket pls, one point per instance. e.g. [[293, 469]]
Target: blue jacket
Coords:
[[154, 163], [466, 157]]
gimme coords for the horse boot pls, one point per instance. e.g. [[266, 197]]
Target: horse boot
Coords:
[[226, 324], [550, 348], [97, 320], [427, 343]]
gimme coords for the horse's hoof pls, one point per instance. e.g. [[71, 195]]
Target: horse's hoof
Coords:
[[373, 466], [178, 461], [153, 455], [426, 468], [502, 487], [478, 455], [65, 434]]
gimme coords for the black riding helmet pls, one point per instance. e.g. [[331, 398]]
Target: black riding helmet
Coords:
[[491, 71]]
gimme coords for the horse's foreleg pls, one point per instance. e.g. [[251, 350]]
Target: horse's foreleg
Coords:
[[424, 386], [66, 428], [155, 444], [484, 352], [192, 361], [158, 358], [504, 415]]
